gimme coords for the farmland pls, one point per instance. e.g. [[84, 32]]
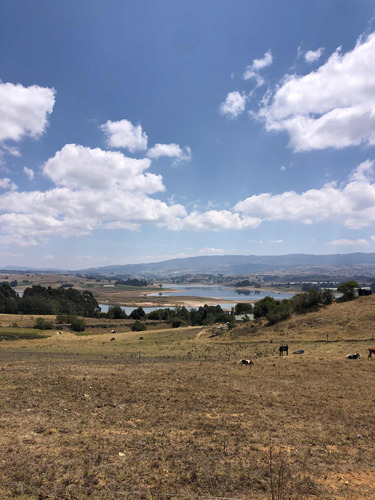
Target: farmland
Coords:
[[174, 414]]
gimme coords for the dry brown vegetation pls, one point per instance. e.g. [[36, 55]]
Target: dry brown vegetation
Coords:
[[175, 416]]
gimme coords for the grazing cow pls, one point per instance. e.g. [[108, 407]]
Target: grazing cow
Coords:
[[141, 338], [371, 351], [246, 362], [353, 356], [282, 349], [113, 338], [113, 331]]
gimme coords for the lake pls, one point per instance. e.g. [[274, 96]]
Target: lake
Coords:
[[212, 292]]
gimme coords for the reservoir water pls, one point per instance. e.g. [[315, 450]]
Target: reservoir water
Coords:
[[213, 292]]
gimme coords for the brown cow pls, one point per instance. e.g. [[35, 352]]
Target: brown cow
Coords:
[[371, 351]]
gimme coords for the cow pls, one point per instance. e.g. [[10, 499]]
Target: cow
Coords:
[[246, 362], [113, 331], [371, 351], [113, 338], [282, 349], [353, 356]]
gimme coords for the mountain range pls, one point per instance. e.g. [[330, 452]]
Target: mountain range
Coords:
[[237, 264]]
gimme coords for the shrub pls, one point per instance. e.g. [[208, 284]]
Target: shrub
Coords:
[[138, 327], [348, 290], [42, 324], [327, 297], [78, 325], [263, 306], [278, 312]]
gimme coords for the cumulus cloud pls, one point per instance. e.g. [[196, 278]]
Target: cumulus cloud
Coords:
[[6, 183], [171, 151], [29, 172], [333, 106], [78, 167], [123, 134], [24, 111], [233, 105], [215, 220], [352, 204], [93, 189], [313, 55], [345, 242], [252, 71]]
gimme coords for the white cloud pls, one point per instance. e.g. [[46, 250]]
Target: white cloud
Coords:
[[23, 111], [345, 242], [94, 189], [282, 168], [29, 172], [212, 251], [6, 183], [78, 167], [313, 55], [233, 105], [170, 150], [215, 220], [252, 71], [333, 106], [123, 134], [352, 204]]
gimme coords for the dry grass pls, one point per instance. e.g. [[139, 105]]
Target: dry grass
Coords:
[[175, 414]]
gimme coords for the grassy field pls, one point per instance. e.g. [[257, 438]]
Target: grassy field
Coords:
[[174, 415]]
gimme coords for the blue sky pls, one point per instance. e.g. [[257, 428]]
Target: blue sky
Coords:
[[143, 131]]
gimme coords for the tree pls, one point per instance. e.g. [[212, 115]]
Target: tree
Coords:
[[243, 308], [348, 290], [327, 297], [116, 312], [137, 313], [263, 306]]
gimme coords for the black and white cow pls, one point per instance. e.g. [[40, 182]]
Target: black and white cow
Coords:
[[353, 356]]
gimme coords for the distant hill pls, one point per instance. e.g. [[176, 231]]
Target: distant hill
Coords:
[[237, 264]]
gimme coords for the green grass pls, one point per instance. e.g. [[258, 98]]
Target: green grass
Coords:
[[21, 334]]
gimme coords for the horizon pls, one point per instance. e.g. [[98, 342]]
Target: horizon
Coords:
[[52, 269], [139, 133]]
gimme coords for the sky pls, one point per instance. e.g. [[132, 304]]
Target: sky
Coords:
[[141, 131]]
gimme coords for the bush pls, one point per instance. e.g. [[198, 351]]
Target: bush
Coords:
[[263, 306], [327, 297], [78, 325], [138, 327], [278, 312], [348, 290], [65, 318], [42, 324], [306, 301]]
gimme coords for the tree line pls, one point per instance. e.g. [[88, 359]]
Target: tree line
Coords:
[[47, 300]]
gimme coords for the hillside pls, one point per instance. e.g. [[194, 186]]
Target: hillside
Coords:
[[352, 320], [242, 264]]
